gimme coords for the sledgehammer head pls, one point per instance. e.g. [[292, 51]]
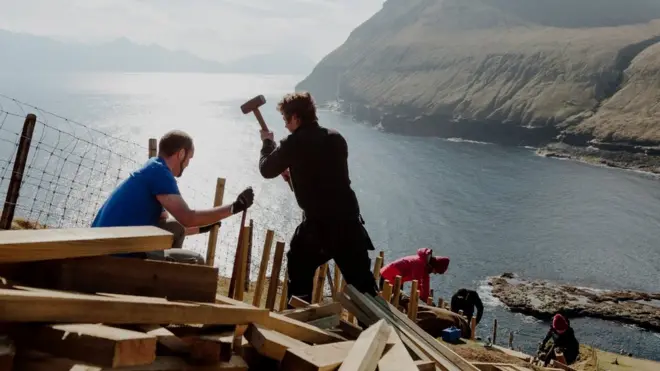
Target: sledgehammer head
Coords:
[[253, 104]]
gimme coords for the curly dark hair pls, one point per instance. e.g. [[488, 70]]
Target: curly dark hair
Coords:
[[300, 104]]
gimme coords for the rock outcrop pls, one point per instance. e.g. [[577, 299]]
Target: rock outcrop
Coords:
[[510, 71], [544, 299]]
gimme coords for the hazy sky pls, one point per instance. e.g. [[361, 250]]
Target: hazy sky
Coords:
[[215, 29]]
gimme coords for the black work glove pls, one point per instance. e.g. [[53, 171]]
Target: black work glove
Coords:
[[243, 201], [207, 228]]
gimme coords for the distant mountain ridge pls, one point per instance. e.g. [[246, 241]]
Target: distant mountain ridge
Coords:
[[25, 53]]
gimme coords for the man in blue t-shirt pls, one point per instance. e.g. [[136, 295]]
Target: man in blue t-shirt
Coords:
[[151, 192]]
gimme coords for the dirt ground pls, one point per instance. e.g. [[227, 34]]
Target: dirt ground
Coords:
[[590, 359]]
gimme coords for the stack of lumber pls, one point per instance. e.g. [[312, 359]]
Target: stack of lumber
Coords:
[[66, 303]]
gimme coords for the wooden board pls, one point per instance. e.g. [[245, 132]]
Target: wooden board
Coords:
[[45, 363], [288, 326], [58, 307], [275, 275], [166, 338], [47, 244], [397, 357], [90, 343], [326, 322], [425, 365], [314, 312], [210, 349], [327, 357], [269, 343], [368, 348], [130, 276]]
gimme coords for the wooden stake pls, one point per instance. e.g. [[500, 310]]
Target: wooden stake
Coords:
[[337, 282], [494, 329], [275, 275], [239, 246], [315, 284], [248, 264], [510, 339], [265, 257], [441, 303], [285, 286], [320, 283], [17, 173], [387, 291], [396, 291], [240, 277], [377, 266], [153, 147], [213, 234], [412, 305], [473, 328]]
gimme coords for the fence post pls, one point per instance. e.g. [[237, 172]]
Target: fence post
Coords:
[[153, 147], [213, 234], [249, 257], [17, 174]]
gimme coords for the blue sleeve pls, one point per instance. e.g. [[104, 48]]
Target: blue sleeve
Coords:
[[161, 182]]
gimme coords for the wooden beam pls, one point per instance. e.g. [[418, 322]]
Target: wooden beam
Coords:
[[325, 357], [47, 244], [239, 287], [269, 343], [261, 278], [326, 322], [90, 343], [58, 307], [397, 357], [367, 349], [215, 230], [275, 275], [350, 329], [314, 312], [211, 349], [285, 287], [320, 283], [108, 274], [166, 338], [297, 302], [396, 291], [387, 291], [378, 264], [412, 303], [425, 365], [337, 281]]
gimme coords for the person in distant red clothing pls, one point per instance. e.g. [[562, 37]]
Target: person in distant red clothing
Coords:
[[415, 267]]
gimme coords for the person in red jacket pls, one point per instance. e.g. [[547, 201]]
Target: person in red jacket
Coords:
[[415, 267]]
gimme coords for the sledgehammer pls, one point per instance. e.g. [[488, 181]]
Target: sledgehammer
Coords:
[[253, 106]]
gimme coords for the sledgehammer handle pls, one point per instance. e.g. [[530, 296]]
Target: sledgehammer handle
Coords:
[[260, 118]]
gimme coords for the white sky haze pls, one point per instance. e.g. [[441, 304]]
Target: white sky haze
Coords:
[[214, 29]]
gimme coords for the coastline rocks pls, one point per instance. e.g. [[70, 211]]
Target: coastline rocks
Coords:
[[543, 299]]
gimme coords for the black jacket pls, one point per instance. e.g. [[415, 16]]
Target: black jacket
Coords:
[[466, 300], [566, 341], [317, 159]]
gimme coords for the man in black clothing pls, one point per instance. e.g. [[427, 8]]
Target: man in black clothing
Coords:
[[466, 300], [314, 160]]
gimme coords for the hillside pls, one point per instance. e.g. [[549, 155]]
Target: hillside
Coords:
[[509, 71]]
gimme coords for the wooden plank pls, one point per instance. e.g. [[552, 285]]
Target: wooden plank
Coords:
[[337, 281], [261, 278], [166, 338], [325, 357], [368, 348], [397, 357], [315, 311], [285, 287], [58, 307], [108, 274], [288, 326], [275, 275], [211, 349], [90, 343], [47, 244], [215, 230], [269, 343], [297, 302], [350, 329], [425, 365], [431, 348], [45, 363], [326, 322]]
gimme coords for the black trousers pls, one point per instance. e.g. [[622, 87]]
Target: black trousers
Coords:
[[317, 241]]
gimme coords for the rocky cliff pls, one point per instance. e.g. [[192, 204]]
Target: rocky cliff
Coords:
[[509, 71]]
